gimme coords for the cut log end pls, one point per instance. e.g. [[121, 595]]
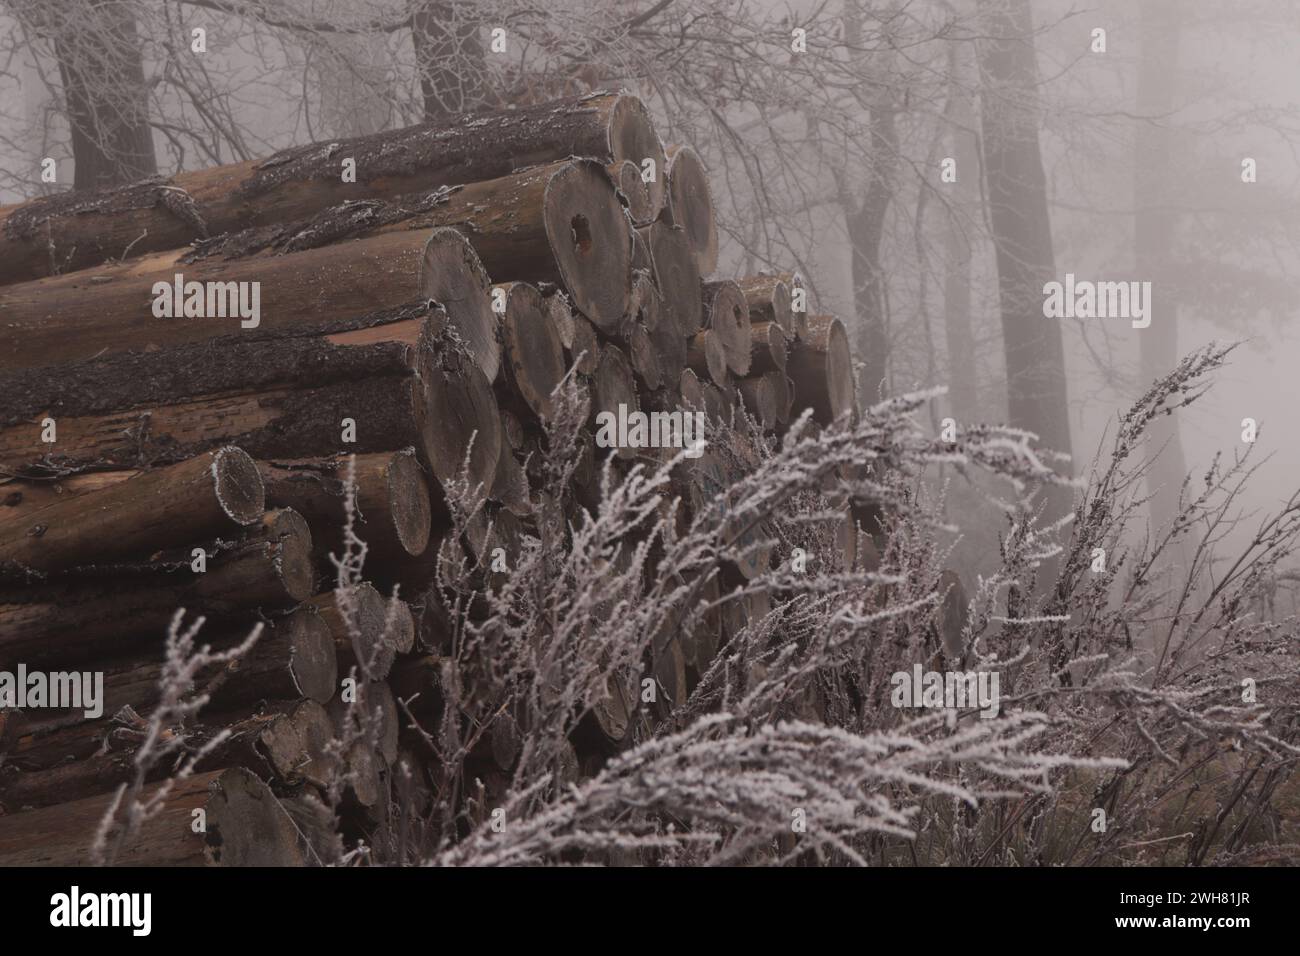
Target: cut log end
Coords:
[[534, 350], [409, 503], [238, 485], [632, 138], [677, 274], [452, 275], [690, 205], [591, 241], [727, 317]]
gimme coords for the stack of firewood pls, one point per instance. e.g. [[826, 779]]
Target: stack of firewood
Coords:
[[415, 289]]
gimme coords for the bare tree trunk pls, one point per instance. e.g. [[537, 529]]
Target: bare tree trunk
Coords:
[[962, 393], [865, 222], [1022, 230], [1154, 236], [105, 95], [449, 56]]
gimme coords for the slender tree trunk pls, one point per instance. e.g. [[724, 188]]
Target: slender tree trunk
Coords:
[[960, 338], [1154, 236], [1022, 231], [107, 101], [864, 220]]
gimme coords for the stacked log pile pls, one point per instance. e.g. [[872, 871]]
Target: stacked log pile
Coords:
[[151, 463]]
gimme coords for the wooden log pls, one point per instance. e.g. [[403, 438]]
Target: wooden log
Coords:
[[670, 676], [690, 205], [559, 223], [821, 367], [768, 298], [677, 274], [285, 743], [769, 348], [393, 507], [281, 398], [293, 658], [690, 390], [533, 348], [270, 567], [560, 313], [644, 357], [23, 497], [510, 487], [244, 826], [586, 346], [379, 629], [614, 385], [668, 342], [633, 191], [642, 260], [78, 230], [707, 355], [760, 399], [211, 493], [783, 389], [727, 316], [375, 698]]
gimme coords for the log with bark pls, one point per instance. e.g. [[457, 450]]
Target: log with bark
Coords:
[[392, 506], [821, 367], [560, 223], [84, 229], [371, 633], [212, 493], [269, 568], [768, 298], [243, 825], [282, 397]]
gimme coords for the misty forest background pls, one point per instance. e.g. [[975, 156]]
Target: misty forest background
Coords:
[[1113, 158]]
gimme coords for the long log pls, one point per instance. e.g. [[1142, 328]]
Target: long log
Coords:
[[690, 205], [79, 230], [244, 825], [285, 743], [727, 316], [760, 399], [293, 658], [393, 506], [270, 567], [284, 397], [821, 367], [560, 223], [211, 493]]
